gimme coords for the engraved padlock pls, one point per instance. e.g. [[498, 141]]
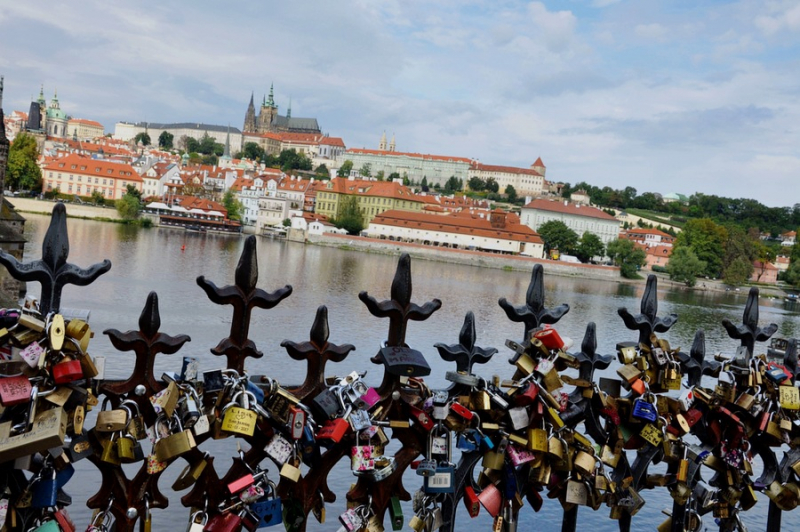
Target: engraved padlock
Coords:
[[237, 418]]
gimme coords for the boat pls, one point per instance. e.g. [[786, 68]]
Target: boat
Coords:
[[195, 228]]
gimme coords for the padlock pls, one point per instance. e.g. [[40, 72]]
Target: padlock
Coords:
[[45, 492], [789, 397], [224, 522], [395, 513], [129, 449], [537, 439], [491, 499], [111, 420], [585, 462], [269, 508], [238, 419], [519, 417], [493, 460], [280, 402], [174, 445], [645, 409], [327, 404], [32, 354], [333, 430], [297, 422], [626, 352], [577, 493], [467, 440], [359, 420], [362, 457], [166, 400], [189, 409], [404, 361], [519, 455], [443, 478], [471, 502], [290, 471], [550, 339], [279, 449], [422, 418], [78, 447], [15, 390], [109, 454]]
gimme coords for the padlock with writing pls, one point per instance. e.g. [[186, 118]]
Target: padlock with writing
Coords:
[[237, 418]]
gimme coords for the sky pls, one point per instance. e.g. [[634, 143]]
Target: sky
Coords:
[[684, 96]]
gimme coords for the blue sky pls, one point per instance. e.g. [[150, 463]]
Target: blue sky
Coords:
[[663, 96]]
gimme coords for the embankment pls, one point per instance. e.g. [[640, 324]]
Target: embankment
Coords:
[[76, 210], [463, 256]]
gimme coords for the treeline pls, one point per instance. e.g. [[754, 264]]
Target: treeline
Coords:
[[745, 213]]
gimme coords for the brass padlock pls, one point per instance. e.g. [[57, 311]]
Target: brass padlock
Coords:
[[290, 471], [190, 474], [537, 440], [111, 420], [585, 463], [174, 444]]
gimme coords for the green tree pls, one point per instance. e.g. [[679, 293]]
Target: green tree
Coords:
[[684, 266], [192, 145], [393, 176], [453, 184], [589, 246], [476, 184], [511, 194], [738, 271], [627, 256], [322, 171], [764, 255], [287, 222], [128, 207], [557, 235], [792, 275], [424, 183], [142, 137], [345, 169], [739, 245], [707, 240], [365, 170], [492, 186], [380, 175], [252, 151], [98, 198], [350, 217], [131, 190], [23, 172], [232, 205], [165, 140], [208, 146]]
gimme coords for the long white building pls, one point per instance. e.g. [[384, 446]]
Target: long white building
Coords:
[[579, 218]]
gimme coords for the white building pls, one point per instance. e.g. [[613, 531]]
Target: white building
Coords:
[[500, 233], [526, 181], [579, 218], [415, 166], [127, 131], [155, 179]]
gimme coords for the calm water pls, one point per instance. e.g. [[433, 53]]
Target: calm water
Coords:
[[152, 260]]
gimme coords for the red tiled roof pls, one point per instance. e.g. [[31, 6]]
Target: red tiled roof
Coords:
[[569, 208], [539, 163], [445, 158], [473, 226], [505, 169], [86, 122], [299, 185], [757, 264], [333, 141], [93, 167], [646, 231]]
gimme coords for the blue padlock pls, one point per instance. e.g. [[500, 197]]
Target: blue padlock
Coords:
[[644, 410], [309, 448], [255, 390], [467, 440], [268, 508], [45, 493], [63, 476]]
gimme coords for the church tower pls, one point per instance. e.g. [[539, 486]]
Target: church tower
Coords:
[[269, 110], [250, 117], [382, 144], [391, 144]]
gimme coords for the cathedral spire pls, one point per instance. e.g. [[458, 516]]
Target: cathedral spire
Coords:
[[289, 109], [1, 91], [271, 101], [382, 144], [391, 144]]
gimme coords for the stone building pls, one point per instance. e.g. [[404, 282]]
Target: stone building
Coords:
[[269, 121], [12, 225]]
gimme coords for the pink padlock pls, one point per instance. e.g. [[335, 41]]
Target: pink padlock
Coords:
[[370, 398], [519, 456]]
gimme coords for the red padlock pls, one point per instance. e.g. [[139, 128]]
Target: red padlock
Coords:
[[67, 371], [471, 502], [297, 422], [462, 411], [333, 430], [535, 499], [490, 499], [15, 390], [241, 483], [550, 338], [224, 522], [693, 415], [422, 418], [527, 396], [64, 521]]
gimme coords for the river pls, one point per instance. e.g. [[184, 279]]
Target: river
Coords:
[[168, 261]]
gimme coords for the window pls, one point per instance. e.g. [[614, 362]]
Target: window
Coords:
[[74, 166], [79, 178]]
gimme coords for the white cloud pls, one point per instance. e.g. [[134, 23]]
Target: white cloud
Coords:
[[786, 17], [557, 27]]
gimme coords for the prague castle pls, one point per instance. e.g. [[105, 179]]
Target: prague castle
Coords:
[[269, 121]]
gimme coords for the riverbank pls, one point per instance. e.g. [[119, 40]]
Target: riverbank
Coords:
[[74, 210], [462, 256]]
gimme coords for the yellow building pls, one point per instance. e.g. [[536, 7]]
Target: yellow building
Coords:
[[80, 175], [374, 197]]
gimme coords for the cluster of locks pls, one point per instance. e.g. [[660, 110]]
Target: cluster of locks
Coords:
[[45, 400], [554, 428]]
